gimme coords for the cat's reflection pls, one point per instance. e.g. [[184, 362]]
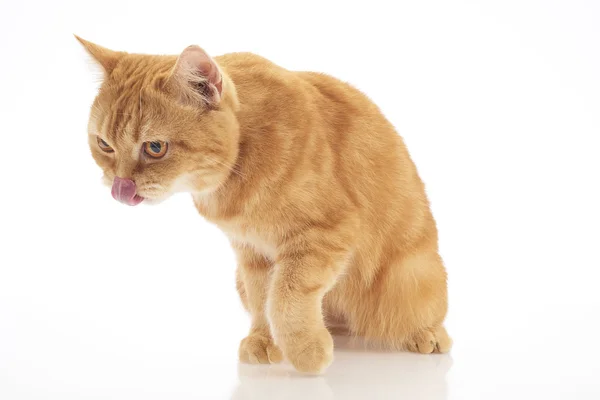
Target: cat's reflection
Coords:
[[356, 373]]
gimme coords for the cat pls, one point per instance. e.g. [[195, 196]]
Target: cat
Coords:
[[313, 186]]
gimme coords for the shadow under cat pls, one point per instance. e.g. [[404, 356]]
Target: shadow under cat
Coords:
[[358, 372]]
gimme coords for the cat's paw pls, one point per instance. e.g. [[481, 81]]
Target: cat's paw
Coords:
[[431, 341], [309, 352], [259, 349]]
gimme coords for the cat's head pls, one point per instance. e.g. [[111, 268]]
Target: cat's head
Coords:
[[162, 124]]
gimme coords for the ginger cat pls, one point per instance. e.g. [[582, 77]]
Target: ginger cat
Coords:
[[313, 186]]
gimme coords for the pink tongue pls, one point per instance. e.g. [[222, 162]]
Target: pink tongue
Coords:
[[123, 190]]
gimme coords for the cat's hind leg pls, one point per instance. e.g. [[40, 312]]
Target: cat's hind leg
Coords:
[[435, 340], [405, 306]]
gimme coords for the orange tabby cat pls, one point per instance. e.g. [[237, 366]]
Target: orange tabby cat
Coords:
[[313, 186]]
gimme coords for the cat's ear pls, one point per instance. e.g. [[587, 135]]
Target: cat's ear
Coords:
[[107, 59], [196, 78]]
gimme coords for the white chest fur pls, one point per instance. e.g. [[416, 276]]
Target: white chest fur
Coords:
[[259, 241], [263, 242]]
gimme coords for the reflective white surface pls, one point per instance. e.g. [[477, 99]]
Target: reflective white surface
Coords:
[[140, 342], [498, 103], [356, 374]]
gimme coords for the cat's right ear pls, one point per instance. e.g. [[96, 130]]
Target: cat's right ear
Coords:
[[106, 58], [196, 78]]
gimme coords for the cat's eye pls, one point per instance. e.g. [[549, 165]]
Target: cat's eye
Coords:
[[105, 147], [156, 149]]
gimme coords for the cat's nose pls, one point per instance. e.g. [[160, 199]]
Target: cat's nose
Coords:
[[124, 190]]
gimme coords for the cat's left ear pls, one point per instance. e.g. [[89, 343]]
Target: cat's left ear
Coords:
[[196, 78], [108, 59]]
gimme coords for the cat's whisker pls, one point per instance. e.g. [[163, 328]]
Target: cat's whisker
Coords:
[[232, 169]]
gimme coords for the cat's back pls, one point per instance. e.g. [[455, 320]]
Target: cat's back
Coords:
[[336, 106], [364, 143], [338, 124], [327, 91]]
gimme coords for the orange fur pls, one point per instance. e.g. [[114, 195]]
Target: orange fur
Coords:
[[313, 186]]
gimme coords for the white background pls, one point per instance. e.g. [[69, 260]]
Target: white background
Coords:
[[499, 103]]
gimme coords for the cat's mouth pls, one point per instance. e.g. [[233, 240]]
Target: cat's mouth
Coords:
[[124, 190]]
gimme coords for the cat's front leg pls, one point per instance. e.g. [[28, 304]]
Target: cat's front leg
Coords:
[[306, 268], [252, 282]]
